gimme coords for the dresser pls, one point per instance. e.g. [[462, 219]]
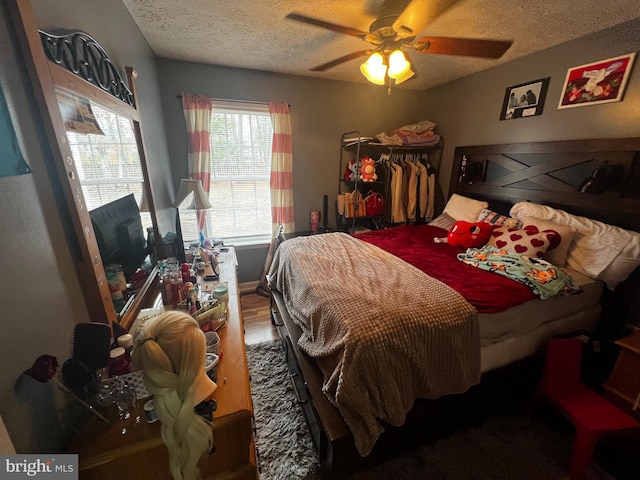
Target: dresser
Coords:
[[105, 454]]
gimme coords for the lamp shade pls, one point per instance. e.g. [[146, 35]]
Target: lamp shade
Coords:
[[398, 65], [188, 186], [374, 69], [410, 73]]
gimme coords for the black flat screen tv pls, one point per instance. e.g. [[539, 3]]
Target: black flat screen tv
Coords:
[[119, 233]]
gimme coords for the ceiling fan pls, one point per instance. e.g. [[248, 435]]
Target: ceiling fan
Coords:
[[395, 29]]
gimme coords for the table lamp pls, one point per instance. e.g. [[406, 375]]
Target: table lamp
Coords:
[[199, 201]]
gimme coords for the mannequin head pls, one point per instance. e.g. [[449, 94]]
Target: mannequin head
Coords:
[[171, 351]]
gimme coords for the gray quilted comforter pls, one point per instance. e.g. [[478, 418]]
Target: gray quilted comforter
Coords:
[[383, 332]]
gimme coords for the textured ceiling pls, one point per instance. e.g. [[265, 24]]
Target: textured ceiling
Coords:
[[255, 34]]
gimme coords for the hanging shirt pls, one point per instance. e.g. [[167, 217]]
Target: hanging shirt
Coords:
[[423, 189], [397, 210], [412, 191]]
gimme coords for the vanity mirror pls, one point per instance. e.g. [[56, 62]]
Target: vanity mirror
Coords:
[[96, 141]]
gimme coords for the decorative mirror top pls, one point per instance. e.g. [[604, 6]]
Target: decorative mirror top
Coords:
[[81, 55]]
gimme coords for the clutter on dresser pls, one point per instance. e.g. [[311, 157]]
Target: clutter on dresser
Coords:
[[120, 290]]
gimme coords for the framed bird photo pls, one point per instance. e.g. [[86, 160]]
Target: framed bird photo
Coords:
[[596, 83]]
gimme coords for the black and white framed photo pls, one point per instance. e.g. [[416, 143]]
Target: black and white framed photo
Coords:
[[524, 100]]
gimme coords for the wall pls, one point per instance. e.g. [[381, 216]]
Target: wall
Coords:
[[321, 111], [468, 110], [42, 300]]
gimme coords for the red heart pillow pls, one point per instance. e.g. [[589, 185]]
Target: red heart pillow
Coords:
[[469, 235], [527, 242]]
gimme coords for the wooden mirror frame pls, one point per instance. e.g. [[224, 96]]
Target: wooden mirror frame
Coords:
[[76, 63]]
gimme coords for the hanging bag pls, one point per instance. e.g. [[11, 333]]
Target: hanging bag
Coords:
[[354, 205], [374, 204]]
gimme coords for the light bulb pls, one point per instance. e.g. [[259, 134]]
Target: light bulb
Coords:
[[374, 69], [398, 64]]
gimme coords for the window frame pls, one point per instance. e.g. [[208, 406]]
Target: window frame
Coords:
[[258, 201]]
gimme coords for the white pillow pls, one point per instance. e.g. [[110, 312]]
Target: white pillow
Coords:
[[596, 244], [464, 208], [623, 265]]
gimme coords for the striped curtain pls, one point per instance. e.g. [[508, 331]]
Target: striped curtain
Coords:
[[281, 168], [281, 181], [197, 119]]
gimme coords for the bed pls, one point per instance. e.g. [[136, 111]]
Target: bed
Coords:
[[391, 337]]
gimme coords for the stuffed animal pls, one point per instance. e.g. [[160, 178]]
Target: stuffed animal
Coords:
[[351, 171], [368, 170], [469, 235]]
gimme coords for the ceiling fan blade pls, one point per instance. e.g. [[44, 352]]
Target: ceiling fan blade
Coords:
[[338, 61], [418, 14], [467, 47], [329, 26]]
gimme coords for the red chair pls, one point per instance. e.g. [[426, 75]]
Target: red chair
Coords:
[[592, 415]]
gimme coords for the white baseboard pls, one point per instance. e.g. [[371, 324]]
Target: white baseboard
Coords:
[[248, 287]]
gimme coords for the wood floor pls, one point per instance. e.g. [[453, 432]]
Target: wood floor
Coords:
[[257, 319]]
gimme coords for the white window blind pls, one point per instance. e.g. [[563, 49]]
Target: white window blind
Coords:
[[241, 138], [108, 165]]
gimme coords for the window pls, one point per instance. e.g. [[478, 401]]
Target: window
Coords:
[[108, 165], [241, 136]]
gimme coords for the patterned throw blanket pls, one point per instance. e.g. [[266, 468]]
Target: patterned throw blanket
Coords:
[[544, 278], [383, 332]]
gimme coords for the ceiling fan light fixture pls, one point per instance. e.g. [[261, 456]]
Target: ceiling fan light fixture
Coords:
[[410, 73], [374, 69], [398, 65]]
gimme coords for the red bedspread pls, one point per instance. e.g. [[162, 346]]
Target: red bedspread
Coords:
[[486, 291]]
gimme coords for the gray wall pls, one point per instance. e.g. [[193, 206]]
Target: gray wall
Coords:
[[468, 110], [321, 111]]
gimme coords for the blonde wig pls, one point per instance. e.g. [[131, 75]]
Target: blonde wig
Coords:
[[171, 351]]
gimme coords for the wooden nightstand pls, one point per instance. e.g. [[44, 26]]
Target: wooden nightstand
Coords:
[[623, 385]]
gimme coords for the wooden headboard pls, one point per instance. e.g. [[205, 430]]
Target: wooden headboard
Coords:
[[551, 173]]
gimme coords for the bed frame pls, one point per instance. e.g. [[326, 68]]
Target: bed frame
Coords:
[[549, 173]]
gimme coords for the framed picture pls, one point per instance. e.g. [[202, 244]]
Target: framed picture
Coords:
[[596, 83], [524, 100]]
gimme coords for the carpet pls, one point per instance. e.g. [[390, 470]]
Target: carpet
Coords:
[[284, 445], [506, 446]]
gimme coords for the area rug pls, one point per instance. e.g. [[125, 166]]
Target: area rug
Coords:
[[503, 447], [284, 445]]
